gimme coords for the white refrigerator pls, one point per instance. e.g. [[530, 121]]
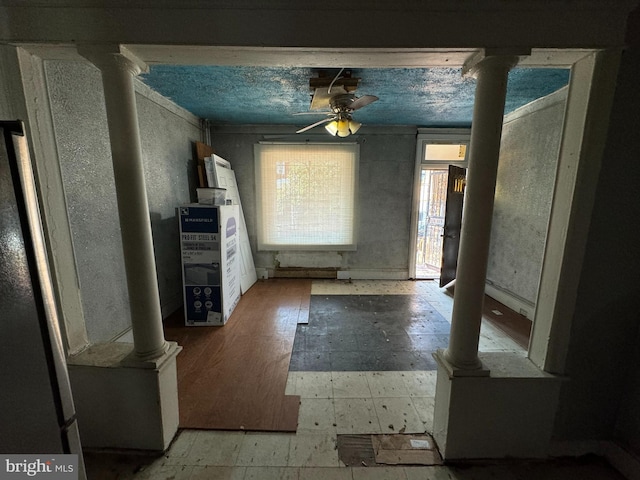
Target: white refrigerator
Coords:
[[210, 252], [37, 413]]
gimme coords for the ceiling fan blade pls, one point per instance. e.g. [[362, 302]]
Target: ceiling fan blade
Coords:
[[363, 101], [309, 127], [314, 113]]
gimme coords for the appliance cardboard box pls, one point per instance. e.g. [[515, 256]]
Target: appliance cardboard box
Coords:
[[210, 263]]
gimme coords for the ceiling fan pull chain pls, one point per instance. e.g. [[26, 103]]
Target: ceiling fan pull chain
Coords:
[[334, 80]]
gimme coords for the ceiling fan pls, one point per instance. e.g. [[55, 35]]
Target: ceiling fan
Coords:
[[342, 104], [340, 121]]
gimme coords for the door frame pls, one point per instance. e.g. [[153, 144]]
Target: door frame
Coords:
[[429, 169], [429, 136]]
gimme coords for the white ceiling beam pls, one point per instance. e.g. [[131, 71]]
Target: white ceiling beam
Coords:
[[310, 57]]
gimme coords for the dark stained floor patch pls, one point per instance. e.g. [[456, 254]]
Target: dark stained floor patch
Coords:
[[369, 333]]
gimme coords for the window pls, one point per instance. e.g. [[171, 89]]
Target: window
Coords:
[[446, 146], [455, 152], [306, 196]]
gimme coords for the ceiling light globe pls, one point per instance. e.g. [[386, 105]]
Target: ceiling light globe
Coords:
[[343, 128], [332, 128]]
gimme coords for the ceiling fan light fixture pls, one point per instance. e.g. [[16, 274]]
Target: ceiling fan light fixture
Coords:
[[342, 106], [332, 127], [343, 127]]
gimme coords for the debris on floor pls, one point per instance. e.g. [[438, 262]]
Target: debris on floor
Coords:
[[356, 450], [405, 449], [394, 449]]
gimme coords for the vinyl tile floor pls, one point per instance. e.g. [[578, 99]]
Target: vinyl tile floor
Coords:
[[211, 455], [332, 403], [347, 398]]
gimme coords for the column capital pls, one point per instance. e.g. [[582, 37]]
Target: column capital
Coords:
[[503, 57], [113, 55]]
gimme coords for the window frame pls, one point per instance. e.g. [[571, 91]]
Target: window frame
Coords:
[[262, 245], [442, 136]]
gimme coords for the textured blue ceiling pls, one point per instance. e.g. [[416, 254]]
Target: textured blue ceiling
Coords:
[[426, 97]]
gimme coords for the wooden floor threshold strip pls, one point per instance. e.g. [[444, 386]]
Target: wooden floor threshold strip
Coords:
[[234, 377]]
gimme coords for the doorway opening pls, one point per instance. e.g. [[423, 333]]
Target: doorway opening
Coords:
[[432, 245], [431, 213]]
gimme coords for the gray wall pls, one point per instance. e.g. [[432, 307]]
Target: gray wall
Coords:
[[603, 358], [387, 159], [168, 136], [526, 175], [79, 116]]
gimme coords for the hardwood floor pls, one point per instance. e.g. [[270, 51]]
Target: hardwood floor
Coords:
[[516, 326], [234, 377]]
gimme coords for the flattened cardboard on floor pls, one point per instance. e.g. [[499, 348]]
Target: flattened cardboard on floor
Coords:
[[356, 450], [377, 450], [405, 450]]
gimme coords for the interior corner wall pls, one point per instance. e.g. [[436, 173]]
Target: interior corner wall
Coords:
[[624, 144], [526, 176], [385, 188], [77, 103], [627, 427], [168, 135], [601, 399]]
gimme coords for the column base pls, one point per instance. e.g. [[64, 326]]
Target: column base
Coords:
[[135, 360], [442, 358], [123, 402], [508, 413]]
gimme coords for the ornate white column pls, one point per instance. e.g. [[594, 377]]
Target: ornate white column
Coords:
[[491, 73], [118, 67]]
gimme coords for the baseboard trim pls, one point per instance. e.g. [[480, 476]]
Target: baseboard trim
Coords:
[[575, 448], [514, 303], [126, 336], [373, 275], [262, 273], [302, 272], [624, 461]]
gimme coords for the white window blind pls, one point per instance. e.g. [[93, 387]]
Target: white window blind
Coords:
[[306, 196]]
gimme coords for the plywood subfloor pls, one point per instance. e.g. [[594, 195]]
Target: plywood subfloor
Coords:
[[234, 377]]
